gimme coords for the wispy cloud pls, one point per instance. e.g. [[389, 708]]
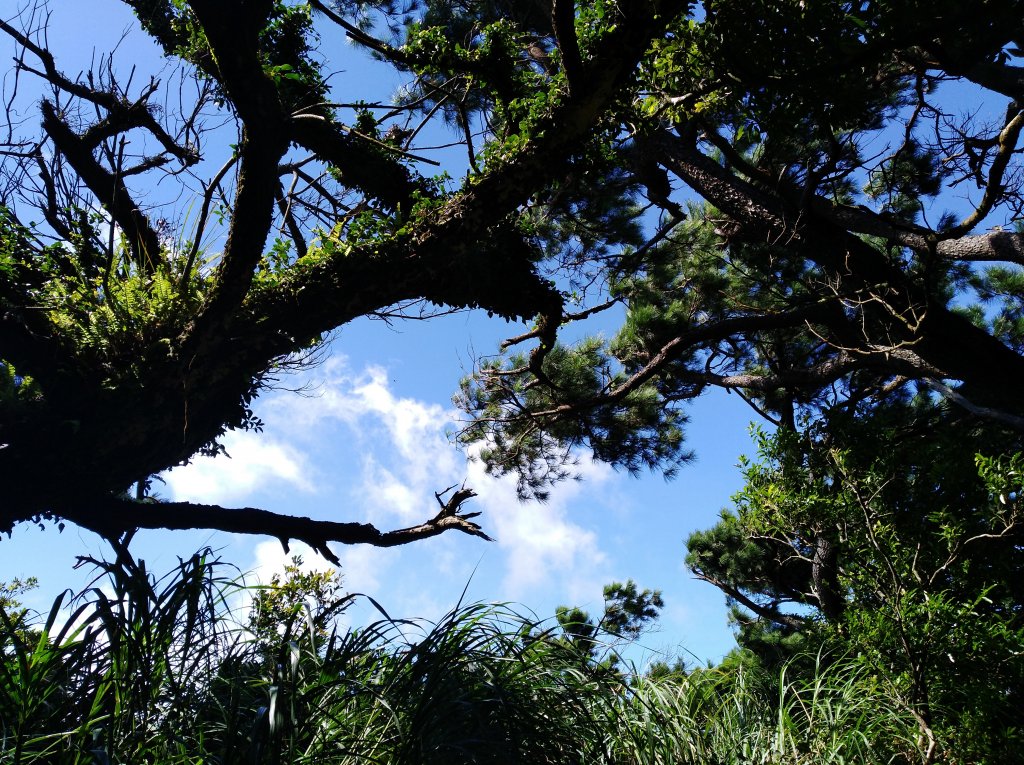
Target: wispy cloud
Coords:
[[540, 542], [390, 454], [256, 463], [400, 443]]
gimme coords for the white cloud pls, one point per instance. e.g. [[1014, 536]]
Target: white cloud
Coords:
[[400, 443], [256, 463], [542, 545], [541, 549], [363, 566], [402, 455]]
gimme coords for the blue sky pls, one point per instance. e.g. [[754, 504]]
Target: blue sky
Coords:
[[368, 438]]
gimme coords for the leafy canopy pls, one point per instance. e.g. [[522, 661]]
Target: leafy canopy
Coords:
[[759, 189]]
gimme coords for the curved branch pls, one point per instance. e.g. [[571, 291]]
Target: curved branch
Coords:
[[773, 615], [945, 340], [109, 189], [251, 221], [704, 333], [364, 164], [984, 412], [994, 188]]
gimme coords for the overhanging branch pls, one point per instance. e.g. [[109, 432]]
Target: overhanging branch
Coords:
[[112, 515]]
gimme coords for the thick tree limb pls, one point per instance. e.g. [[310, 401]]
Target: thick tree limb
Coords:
[[563, 21], [251, 220], [944, 340], [996, 246], [984, 412], [112, 515], [467, 239], [362, 165], [232, 30]]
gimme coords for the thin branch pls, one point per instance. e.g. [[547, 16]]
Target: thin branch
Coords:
[[786, 620], [984, 412], [108, 188], [994, 189], [509, 342], [204, 213]]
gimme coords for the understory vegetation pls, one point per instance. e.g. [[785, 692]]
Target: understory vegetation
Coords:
[[139, 668]]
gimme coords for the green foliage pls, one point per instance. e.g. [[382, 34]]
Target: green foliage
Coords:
[[808, 280], [294, 602], [632, 432], [14, 589], [108, 319], [285, 43], [118, 676], [155, 670], [1002, 291], [836, 713], [912, 537], [105, 312], [627, 614]]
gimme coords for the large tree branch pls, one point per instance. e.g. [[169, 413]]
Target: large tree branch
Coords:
[[232, 30], [998, 246], [363, 165], [919, 318], [113, 515], [563, 22], [465, 253]]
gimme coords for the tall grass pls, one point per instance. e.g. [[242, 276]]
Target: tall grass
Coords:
[[731, 717], [145, 669]]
